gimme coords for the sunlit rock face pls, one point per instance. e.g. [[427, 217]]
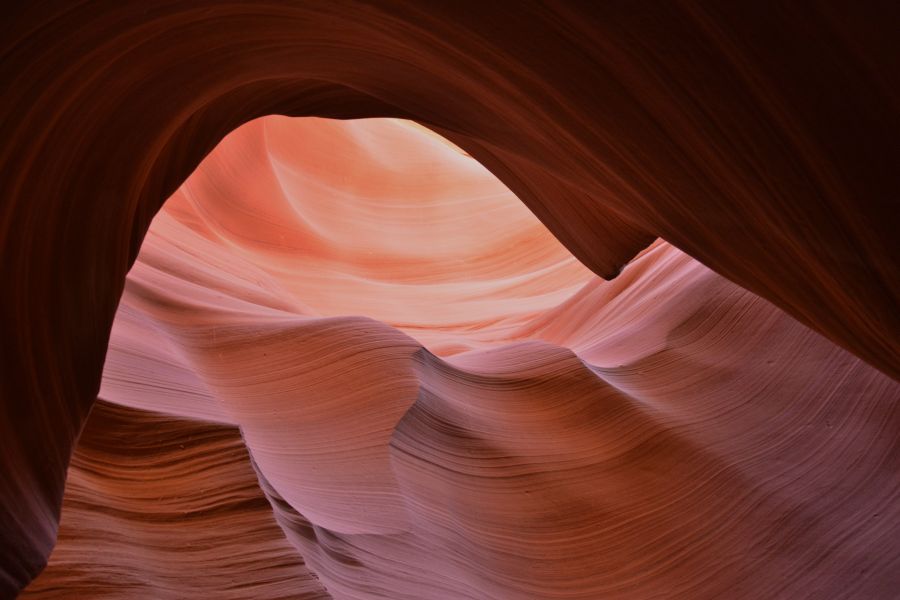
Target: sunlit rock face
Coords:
[[380, 218], [349, 363]]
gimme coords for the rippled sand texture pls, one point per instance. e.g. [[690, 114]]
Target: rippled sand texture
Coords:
[[503, 424], [733, 450]]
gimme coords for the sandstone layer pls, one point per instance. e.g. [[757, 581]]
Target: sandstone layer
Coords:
[[502, 424], [717, 417]]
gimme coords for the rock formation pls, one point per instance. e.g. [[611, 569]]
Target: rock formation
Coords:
[[348, 362]]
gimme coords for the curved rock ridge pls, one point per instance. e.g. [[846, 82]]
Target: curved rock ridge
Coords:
[[665, 434], [160, 507]]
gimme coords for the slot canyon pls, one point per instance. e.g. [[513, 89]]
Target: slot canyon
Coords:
[[450, 301]]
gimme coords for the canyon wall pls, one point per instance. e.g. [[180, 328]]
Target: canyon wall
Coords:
[[740, 367]]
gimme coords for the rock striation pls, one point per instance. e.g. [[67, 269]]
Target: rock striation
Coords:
[[510, 426], [716, 418]]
